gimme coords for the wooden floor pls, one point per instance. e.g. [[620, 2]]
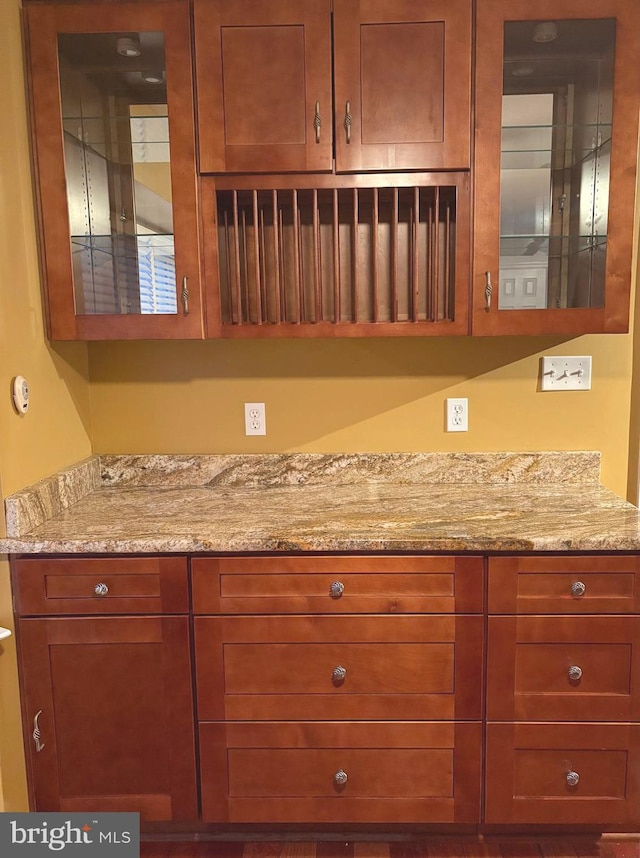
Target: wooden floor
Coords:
[[434, 848]]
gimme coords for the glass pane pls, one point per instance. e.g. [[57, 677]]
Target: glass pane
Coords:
[[554, 176], [116, 141]]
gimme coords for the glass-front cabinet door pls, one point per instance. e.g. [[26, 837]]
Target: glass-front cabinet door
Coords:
[[556, 146], [114, 139]]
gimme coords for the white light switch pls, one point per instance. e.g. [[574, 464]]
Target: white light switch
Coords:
[[565, 373]]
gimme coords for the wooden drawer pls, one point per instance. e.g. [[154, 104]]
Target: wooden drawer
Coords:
[[532, 669], [272, 668], [552, 585], [284, 772], [297, 585], [527, 767], [134, 585]]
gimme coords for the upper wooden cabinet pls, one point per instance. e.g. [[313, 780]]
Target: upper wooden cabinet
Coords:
[[401, 85], [556, 131], [113, 116]]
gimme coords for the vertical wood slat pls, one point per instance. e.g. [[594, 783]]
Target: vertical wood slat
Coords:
[[283, 270], [263, 262], [297, 302], [336, 259], [415, 266], [430, 268], [354, 257], [256, 251], [447, 263], [303, 300], [276, 257], [436, 254], [236, 256], [317, 277], [394, 258], [374, 253], [245, 266], [227, 239]]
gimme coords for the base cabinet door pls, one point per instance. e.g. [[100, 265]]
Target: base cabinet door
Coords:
[[568, 773], [341, 772], [108, 715]]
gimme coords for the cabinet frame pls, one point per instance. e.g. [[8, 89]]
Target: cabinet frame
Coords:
[[613, 317], [42, 25]]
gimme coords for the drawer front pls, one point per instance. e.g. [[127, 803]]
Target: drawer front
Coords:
[[563, 669], [564, 585], [348, 667], [337, 585], [572, 773], [104, 585], [340, 772]]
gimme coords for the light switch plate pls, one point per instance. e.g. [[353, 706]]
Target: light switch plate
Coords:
[[565, 373]]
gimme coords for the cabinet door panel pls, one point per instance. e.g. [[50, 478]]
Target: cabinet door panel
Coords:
[[404, 71], [115, 154], [261, 70], [528, 776], [112, 700], [564, 585], [563, 668], [555, 164], [278, 667], [285, 772]]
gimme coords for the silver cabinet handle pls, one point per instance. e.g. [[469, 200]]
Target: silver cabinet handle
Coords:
[[573, 778], [36, 732], [338, 673], [575, 673], [317, 121], [488, 291], [336, 589], [101, 589], [578, 589], [347, 120], [185, 294], [340, 777]]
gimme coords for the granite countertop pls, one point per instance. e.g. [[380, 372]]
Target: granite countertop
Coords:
[[324, 502]]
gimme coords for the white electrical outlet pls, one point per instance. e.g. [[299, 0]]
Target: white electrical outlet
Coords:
[[565, 373], [255, 419], [457, 415]]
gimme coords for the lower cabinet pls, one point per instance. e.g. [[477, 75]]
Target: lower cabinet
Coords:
[[107, 700], [498, 691]]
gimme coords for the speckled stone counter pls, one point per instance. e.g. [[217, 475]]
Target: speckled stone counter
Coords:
[[422, 502]]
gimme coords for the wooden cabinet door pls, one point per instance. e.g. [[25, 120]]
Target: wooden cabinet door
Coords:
[[531, 774], [556, 129], [108, 715], [114, 138], [264, 85], [395, 772], [402, 84]]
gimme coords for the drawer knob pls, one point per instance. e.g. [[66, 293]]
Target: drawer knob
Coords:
[[338, 673], [577, 589], [575, 673], [101, 589], [573, 778], [336, 589], [340, 778]]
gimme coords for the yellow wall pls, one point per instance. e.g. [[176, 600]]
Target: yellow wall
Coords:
[[365, 395], [55, 431]]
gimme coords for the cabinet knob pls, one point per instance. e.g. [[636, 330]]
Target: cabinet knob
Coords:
[[336, 589], [575, 673], [573, 778], [578, 588], [488, 291], [347, 121], [317, 121], [101, 589], [339, 673], [340, 778]]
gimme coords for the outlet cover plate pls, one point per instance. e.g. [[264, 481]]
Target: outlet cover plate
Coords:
[[565, 373]]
